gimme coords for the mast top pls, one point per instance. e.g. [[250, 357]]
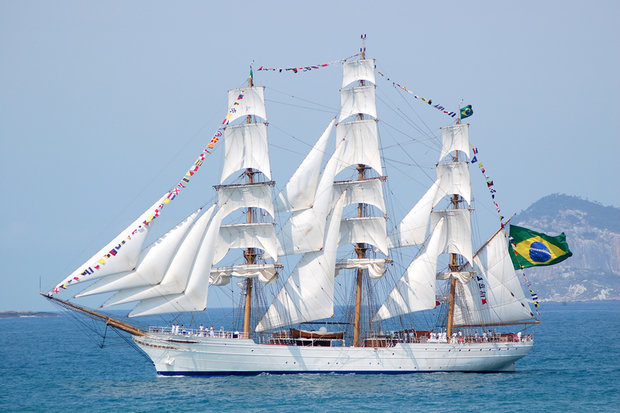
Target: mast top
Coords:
[[251, 78], [363, 48]]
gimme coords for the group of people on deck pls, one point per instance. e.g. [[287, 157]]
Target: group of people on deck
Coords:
[[203, 331]]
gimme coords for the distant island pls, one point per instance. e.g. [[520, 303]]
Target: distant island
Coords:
[[16, 314]]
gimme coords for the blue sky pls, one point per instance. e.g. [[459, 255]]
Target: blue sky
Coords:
[[104, 105]]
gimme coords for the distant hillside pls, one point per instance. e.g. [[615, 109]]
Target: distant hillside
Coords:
[[593, 234], [18, 314]]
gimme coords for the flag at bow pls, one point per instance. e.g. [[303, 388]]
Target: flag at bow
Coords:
[[530, 248], [466, 112]]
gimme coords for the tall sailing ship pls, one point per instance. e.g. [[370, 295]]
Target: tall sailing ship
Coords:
[[331, 221]]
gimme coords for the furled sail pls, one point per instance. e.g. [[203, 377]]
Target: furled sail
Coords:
[[415, 291], [375, 266], [266, 273], [502, 299], [309, 291], [300, 190]]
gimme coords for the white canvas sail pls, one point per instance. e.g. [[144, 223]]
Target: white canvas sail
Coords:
[[458, 230], [453, 178], [154, 261], [252, 235], [305, 229], [253, 102], [368, 230], [300, 190], [412, 229], [246, 147], [176, 271], [357, 100], [266, 273], [455, 138], [309, 291], [358, 70], [504, 300], [120, 254], [361, 145], [194, 296], [415, 291], [368, 191], [375, 266], [256, 195]]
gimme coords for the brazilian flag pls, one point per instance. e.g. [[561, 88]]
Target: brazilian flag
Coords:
[[466, 112], [530, 248]]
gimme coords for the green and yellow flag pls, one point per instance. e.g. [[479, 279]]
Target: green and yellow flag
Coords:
[[530, 248], [466, 112]]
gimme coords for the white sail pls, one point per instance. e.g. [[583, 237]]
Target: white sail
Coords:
[[256, 195], [194, 296], [253, 102], [300, 190], [453, 179], [458, 230], [375, 266], [357, 70], [305, 229], [152, 265], [502, 299], [266, 273], [369, 230], [361, 145], [415, 291], [176, 271], [252, 235], [120, 254], [455, 138], [412, 229], [309, 291], [368, 191], [246, 147], [357, 100]]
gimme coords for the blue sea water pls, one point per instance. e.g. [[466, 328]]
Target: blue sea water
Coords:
[[50, 364]]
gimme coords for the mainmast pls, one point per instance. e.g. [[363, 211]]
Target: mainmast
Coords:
[[250, 254], [360, 248], [454, 265]]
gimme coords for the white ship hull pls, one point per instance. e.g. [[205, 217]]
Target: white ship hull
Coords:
[[179, 355]]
